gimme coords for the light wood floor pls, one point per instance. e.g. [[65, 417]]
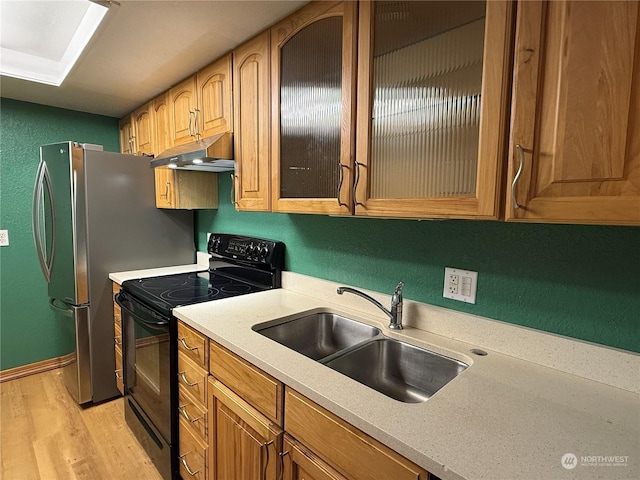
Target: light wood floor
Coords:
[[46, 435]]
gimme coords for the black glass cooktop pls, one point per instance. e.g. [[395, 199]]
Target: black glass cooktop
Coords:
[[170, 291]]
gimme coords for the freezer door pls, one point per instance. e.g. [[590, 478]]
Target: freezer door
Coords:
[[74, 323], [59, 223]]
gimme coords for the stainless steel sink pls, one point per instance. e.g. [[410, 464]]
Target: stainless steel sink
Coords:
[[320, 334], [398, 370]]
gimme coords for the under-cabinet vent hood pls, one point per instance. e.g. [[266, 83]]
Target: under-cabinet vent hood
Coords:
[[211, 154]]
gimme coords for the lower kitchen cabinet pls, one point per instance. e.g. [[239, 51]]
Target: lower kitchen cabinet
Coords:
[[238, 431], [349, 450], [185, 189], [300, 463], [244, 444], [117, 337], [193, 363]]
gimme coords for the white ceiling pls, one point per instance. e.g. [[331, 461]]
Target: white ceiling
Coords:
[[143, 47]]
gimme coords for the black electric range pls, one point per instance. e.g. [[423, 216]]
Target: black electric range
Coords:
[[238, 265]]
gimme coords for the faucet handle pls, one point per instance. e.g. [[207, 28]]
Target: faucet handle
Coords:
[[399, 288]]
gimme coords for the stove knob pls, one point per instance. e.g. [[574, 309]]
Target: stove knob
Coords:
[[251, 249], [264, 251]]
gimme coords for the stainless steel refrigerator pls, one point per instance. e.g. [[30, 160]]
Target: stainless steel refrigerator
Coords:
[[94, 213]]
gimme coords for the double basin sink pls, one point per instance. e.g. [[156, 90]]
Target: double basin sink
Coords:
[[394, 368]]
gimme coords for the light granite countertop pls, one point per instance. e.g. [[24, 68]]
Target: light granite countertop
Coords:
[[513, 414]]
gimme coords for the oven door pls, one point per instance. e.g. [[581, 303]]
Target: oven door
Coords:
[[150, 365]]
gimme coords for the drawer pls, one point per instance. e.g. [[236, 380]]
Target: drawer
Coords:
[[192, 454], [193, 413], [352, 452], [301, 463], [256, 387], [193, 344], [118, 371], [192, 378]]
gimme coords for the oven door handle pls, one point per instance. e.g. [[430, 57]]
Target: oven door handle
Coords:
[[139, 312]]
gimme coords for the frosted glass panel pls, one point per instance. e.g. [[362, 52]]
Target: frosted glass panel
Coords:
[[427, 79], [311, 111]]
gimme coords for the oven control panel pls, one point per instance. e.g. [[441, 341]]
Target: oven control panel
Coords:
[[258, 251]]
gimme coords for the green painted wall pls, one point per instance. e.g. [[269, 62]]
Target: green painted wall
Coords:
[[575, 280], [29, 331], [580, 281]]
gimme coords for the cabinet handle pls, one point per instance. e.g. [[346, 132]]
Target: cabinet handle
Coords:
[[266, 463], [195, 122], [233, 189], [191, 114], [183, 411], [166, 190], [341, 167], [355, 184], [186, 466], [282, 464], [184, 344], [186, 382], [520, 151], [119, 377], [117, 340]]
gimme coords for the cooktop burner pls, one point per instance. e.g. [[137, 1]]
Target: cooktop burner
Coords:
[[172, 291]]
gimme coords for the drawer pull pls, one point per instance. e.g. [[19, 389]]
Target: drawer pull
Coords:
[[186, 466], [183, 411], [117, 340], [118, 376], [186, 382], [184, 344]]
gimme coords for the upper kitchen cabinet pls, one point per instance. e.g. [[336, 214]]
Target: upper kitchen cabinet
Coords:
[[574, 145], [200, 106], [182, 111], [213, 110], [161, 124], [432, 115], [127, 140], [251, 100], [143, 130], [313, 100]]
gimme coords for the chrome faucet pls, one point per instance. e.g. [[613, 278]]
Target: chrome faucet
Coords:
[[396, 304]]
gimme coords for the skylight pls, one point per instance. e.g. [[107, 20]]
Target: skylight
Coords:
[[40, 41]]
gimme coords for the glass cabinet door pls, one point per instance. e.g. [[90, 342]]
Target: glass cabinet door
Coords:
[[432, 108], [313, 73]]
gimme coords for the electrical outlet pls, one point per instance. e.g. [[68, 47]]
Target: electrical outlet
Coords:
[[4, 238], [451, 283], [460, 285]]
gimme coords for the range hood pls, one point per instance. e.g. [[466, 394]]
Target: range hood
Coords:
[[211, 154]]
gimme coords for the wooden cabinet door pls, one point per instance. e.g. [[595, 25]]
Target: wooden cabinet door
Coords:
[[300, 463], [432, 118], [313, 100], [125, 126], [143, 130], [165, 187], [251, 95], [574, 147], [213, 110], [243, 444], [161, 134], [182, 111]]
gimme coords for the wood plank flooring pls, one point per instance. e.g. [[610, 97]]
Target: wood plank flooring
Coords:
[[45, 435]]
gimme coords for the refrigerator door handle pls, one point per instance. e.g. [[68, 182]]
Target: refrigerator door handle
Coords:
[[43, 180], [67, 312]]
